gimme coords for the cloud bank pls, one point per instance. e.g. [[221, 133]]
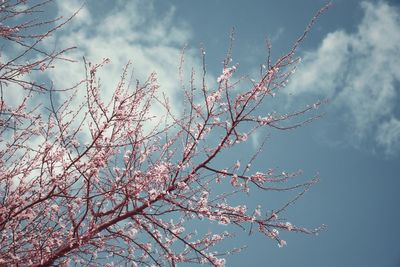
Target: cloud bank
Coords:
[[359, 73]]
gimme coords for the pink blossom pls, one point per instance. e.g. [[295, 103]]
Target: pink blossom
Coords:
[[55, 207], [234, 180], [282, 243], [226, 74]]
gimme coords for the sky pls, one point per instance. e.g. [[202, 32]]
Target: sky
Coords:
[[351, 58]]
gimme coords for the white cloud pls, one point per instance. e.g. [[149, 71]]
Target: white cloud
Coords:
[[68, 8], [322, 69], [358, 72], [128, 31], [389, 135]]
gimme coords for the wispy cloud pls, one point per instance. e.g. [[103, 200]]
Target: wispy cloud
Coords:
[[359, 72], [129, 31], [388, 135], [67, 8]]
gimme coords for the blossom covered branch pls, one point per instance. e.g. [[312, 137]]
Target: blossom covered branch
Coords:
[[109, 182]]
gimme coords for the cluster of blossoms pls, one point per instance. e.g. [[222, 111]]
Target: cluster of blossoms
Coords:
[[226, 74]]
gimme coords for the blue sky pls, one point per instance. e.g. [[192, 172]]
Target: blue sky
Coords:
[[351, 58]]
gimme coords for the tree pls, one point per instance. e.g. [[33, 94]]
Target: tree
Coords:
[[103, 182]]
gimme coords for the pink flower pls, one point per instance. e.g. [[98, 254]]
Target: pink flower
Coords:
[[55, 207], [234, 180], [289, 226], [152, 194], [282, 243], [226, 74]]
